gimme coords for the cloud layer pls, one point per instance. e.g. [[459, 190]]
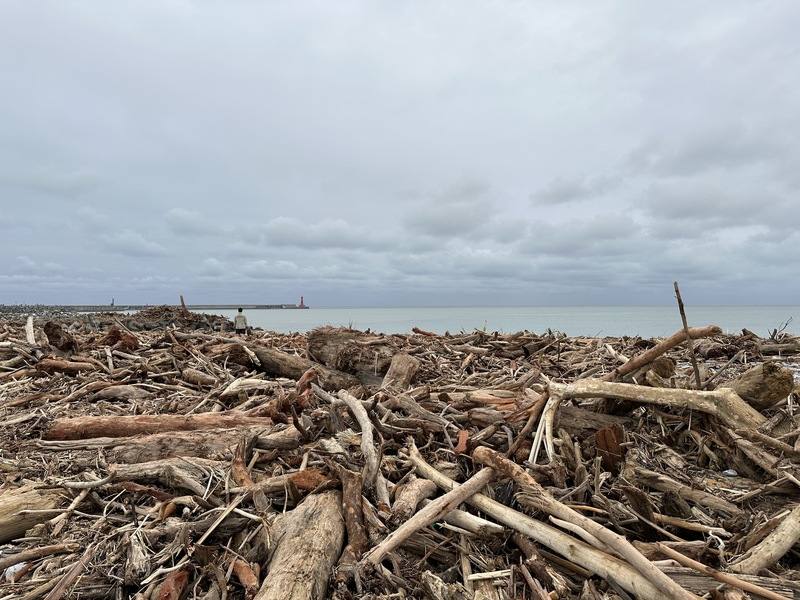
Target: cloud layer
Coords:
[[399, 154]]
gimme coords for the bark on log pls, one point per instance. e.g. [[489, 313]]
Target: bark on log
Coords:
[[77, 428], [723, 403], [13, 524], [401, 372], [52, 365], [282, 364], [763, 385], [650, 355], [309, 541]]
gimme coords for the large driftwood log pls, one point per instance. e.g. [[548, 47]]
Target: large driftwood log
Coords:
[[76, 428], [209, 443], [723, 403], [763, 385], [364, 355], [283, 364], [668, 344], [308, 543], [12, 523]]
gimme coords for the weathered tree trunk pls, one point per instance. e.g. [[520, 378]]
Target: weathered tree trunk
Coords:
[[763, 385], [401, 372], [276, 362], [309, 541], [408, 497], [198, 377], [209, 443], [13, 524], [77, 428], [364, 355]]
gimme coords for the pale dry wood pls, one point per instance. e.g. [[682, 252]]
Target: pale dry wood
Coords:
[[772, 548], [762, 385], [401, 371], [434, 511], [542, 500], [661, 348], [308, 541], [409, 495], [580, 553], [722, 403], [726, 578], [13, 522]]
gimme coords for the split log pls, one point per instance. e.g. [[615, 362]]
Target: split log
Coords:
[[282, 364], [401, 372], [772, 548], [12, 502], [763, 385], [722, 403], [309, 541], [77, 428], [540, 499], [665, 346]]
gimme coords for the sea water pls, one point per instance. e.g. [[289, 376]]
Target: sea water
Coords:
[[646, 321]]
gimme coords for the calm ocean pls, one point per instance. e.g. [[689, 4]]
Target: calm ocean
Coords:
[[647, 321]]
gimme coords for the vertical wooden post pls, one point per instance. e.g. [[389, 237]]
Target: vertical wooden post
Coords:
[[689, 340]]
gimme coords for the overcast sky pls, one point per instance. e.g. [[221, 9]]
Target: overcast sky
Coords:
[[399, 153]]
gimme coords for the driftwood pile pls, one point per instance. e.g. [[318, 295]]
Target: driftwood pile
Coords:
[[170, 460]]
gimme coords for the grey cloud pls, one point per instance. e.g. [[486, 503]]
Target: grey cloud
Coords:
[[566, 190], [190, 223], [131, 243], [257, 150]]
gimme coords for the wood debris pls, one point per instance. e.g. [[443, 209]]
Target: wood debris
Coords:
[[157, 455]]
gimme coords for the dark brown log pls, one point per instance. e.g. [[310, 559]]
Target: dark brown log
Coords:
[[78, 428], [309, 541], [59, 337], [122, 393], [52, 365], [283, 364], [763, 385]]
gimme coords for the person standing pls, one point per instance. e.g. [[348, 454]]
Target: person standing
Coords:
[[240, 323]]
